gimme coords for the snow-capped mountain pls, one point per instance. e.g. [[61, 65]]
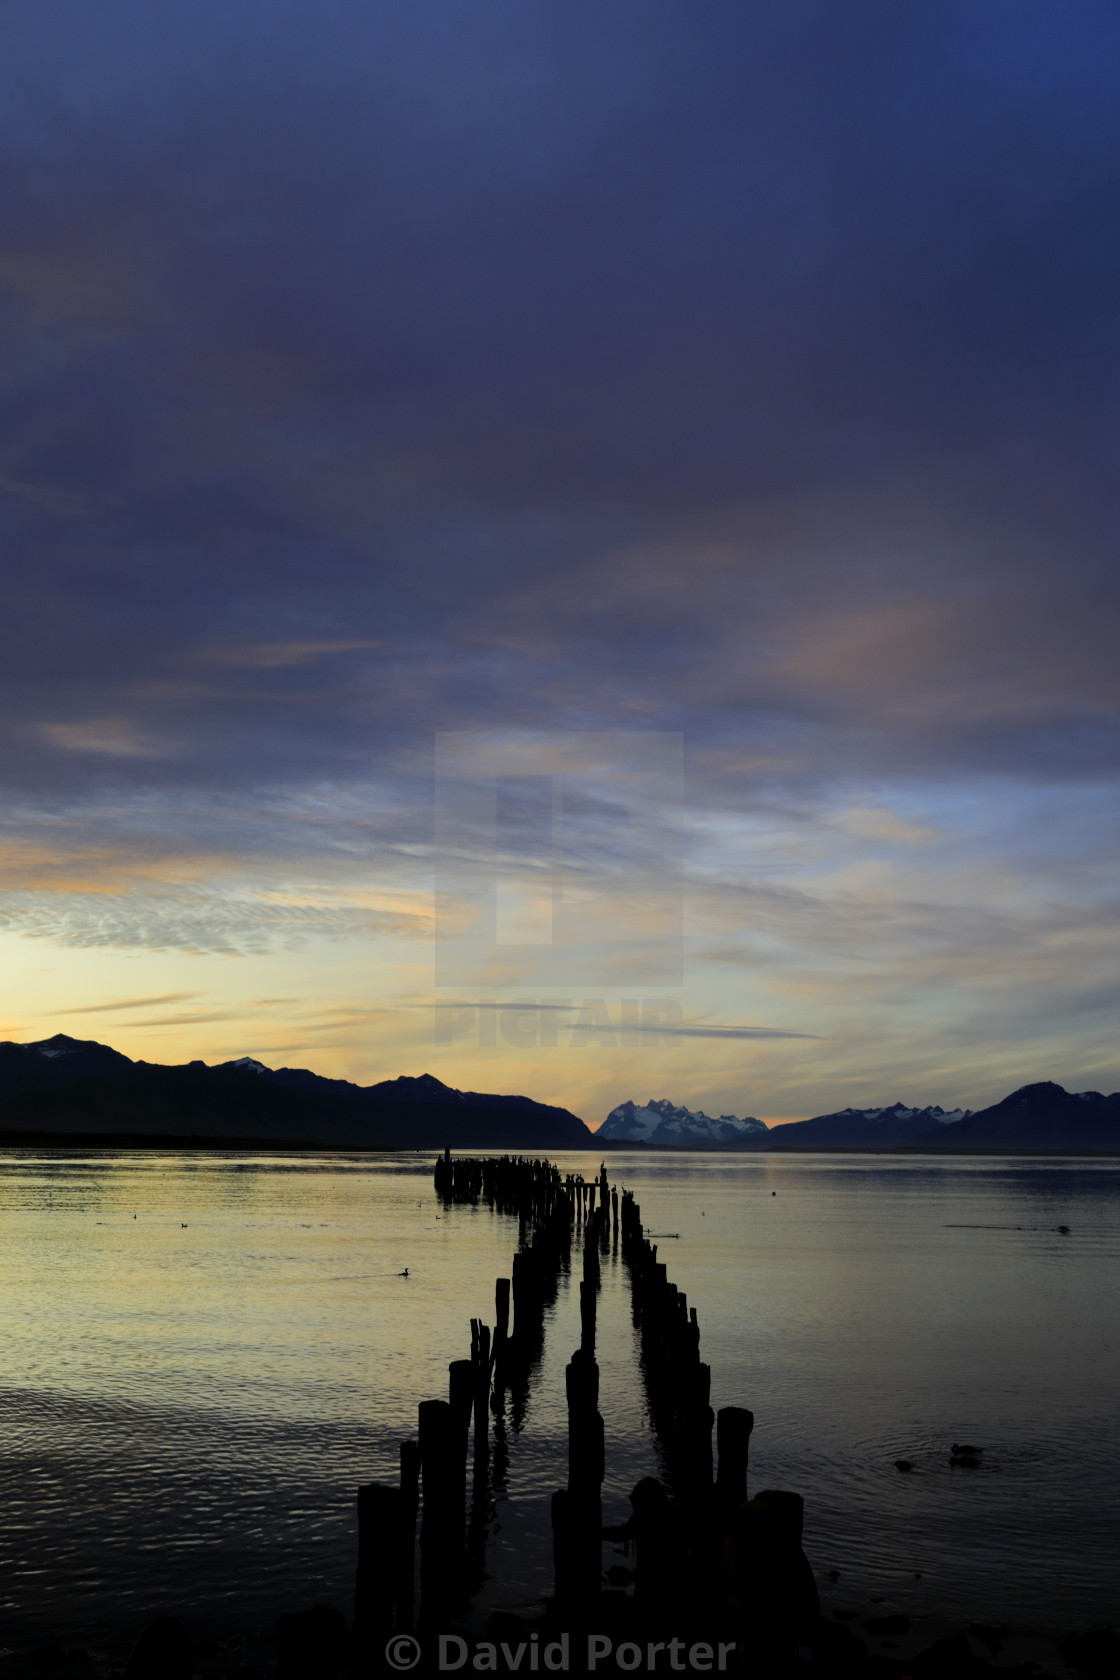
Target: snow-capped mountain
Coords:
[[935, 1114], [661, 1121], [889, 1127]]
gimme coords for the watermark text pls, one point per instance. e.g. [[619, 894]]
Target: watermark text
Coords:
[[561, 1023], [599, 1655]]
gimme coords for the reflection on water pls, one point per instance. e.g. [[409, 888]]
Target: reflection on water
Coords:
[[204, 1355]]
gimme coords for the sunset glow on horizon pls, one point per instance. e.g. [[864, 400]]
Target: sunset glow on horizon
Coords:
[[742, 378]]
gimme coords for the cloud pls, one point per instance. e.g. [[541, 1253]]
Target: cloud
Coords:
[[562, 372], [662, 1028], [188, 922], [191, 1019], [733, 1032], [127, 1003], [116, 737]]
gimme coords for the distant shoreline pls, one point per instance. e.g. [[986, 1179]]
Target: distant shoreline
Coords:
[[191, 1141], [906, 1149]]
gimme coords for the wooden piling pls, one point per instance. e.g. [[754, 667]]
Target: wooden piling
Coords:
[[501, 1312], [405, 1572], [379, 1539], [788, 1512], [461, 1385], [482, 1392], [443, 1527], [733, 1433]]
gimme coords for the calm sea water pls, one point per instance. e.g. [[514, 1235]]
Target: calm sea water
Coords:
[[204, 1355]]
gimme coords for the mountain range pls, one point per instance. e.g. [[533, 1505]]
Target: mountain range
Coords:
[[890, 1127], [1042, 1117], [69, 1089], [75, 1088], [661, 1121]]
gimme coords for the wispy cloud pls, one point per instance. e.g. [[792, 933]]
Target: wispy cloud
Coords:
[[662, 1028], [191, 1019], [127, 1003], [732, 1032], [114, 737]]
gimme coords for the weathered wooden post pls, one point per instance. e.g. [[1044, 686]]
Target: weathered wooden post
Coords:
[[379, 1536], [585, 1453], [442, 1531], [482, 1393], [405, 1573], [788, 1511], [501, 1314], [733, 1434], [578, 1514], [774, 1578], [461, 1397], [520, 1291]]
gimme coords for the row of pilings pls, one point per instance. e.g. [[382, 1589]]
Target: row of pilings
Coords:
[[679, 1528], [678, 1384], [507, 1183], [454, 1434], [703, 1556]]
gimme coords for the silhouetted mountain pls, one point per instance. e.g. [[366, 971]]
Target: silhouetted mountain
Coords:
[[65, 1086], [52, 1062], [71, 1087], [296, 1079], [1043, 1116], [859, 1128], [423, 1088], [661, 1121]]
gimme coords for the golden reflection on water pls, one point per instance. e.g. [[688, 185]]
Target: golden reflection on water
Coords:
[[205, 1354]]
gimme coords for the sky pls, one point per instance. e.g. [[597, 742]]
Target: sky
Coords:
[[539, 503]]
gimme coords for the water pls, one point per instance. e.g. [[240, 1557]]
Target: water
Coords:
[[205, 1354]]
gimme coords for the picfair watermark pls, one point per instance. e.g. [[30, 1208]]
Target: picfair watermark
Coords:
[[558, 1023], [559, 860]]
